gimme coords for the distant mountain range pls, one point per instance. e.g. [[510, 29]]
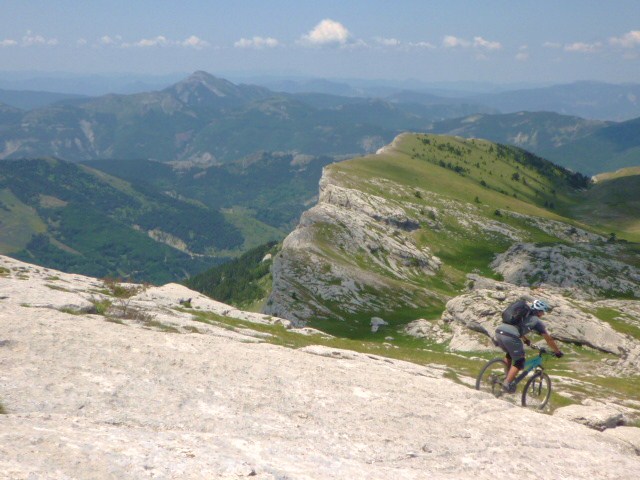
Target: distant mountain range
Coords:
[[594, 100], [587, 146], [213, 121], [591, 100], [29, 100]]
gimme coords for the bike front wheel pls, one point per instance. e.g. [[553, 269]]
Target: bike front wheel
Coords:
[[537, 391], [492, 376]]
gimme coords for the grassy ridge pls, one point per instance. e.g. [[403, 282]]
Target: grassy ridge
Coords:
[[476, 175]]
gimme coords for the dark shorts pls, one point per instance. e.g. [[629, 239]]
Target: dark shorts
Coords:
[[512, 345]]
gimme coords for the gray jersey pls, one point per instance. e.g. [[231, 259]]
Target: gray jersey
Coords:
[[529, 324]]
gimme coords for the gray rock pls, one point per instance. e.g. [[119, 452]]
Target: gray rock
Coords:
[[587, 270], [598, 417]]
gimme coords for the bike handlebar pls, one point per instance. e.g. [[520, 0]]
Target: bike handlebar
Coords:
[[545, 351], [542, 350]]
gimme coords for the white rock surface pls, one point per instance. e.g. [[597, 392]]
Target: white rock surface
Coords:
[[598, 417], [631, 435], [91, 399]]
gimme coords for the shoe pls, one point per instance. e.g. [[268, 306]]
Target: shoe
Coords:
[[509, 388]]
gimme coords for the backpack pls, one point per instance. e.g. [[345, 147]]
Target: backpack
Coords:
[[515, 313]]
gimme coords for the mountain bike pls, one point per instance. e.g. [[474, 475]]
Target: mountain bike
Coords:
[[537, 390]]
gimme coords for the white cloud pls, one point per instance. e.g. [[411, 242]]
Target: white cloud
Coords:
[[327, 32], [395, 43], [426, 45], [582, 47], [30, 40], [158, 41], [108, 40], [628, 40], [552, 45], [194, 42], [257, 42], [479, 42], [522, 56], [388, 42], [450, 41], [81, 42], [8, 43]]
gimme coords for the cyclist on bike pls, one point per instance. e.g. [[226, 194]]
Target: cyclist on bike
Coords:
[[510, 338]]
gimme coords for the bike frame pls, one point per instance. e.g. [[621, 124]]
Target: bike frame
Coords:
[[531, 364]]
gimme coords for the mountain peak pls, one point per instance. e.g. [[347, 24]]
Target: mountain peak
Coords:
[[201, 89]]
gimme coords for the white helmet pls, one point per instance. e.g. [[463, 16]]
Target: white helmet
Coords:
[[541, 305]]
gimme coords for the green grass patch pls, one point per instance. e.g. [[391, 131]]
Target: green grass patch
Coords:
[[71, 311], [101, 306], [56, 287], [616, 319], [163, 327]]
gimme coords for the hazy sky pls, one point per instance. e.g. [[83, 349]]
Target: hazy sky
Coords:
[[430, 40]]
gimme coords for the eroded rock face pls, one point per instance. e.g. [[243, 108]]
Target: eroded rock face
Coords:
[[583, 270], [373, 248], [92, 399]]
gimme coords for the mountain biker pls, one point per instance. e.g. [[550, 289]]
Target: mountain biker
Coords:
[[510, 338]]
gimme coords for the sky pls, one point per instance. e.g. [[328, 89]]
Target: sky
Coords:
[[499, 41]]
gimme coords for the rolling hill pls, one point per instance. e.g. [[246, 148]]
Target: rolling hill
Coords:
[[606, 149], [78, 219]]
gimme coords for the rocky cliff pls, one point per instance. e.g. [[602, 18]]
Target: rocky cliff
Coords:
[[103, 380]]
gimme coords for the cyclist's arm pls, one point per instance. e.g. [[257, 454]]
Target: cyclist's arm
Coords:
[[551, 342]]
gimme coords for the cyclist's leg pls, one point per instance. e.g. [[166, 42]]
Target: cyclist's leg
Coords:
[[515, 350], [507, 361], [515, 368]]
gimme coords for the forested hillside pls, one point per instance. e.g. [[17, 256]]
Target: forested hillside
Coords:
[[77, 219]]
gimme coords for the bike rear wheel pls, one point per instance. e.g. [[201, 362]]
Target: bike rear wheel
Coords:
[[537, 391], [492, 376]]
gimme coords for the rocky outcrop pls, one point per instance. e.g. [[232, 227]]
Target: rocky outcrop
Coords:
[[583, 270], [598, 417], [479, 312], [351, 249], [93, 399]]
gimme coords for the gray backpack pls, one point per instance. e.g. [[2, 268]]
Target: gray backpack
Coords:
[[515, 313]]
